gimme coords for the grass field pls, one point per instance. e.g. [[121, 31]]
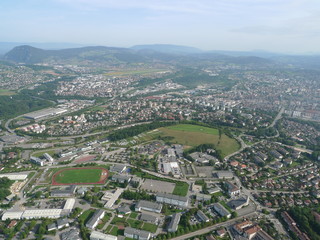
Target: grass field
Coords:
[[193, 135], [181, 189], [5, 92], [86, 215], [76, 176], [149, 227]]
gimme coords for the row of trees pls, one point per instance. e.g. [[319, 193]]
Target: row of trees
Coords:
[[136, 130]]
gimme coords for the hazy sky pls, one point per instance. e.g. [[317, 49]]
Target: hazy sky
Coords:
[[274, 25]]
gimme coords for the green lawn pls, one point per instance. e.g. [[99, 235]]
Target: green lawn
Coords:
[[114, 231], [104, 220], [116, 220], [86, 215], [194, 135], [149, 227], [181, 189], [78, 176], [134, 215], [134, 223]]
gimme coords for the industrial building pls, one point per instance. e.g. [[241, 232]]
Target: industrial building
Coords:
[[40, 213], [15, 177], [148, 206], [34, 213], [172, 199], [49, 112]]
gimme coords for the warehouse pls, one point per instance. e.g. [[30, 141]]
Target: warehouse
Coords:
[[42, 213], [49, 112], [15, 177]]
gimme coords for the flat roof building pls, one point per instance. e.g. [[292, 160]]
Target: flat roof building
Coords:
[[136, 234], [111, 198], [148, 206], [67, 192], [224, 174], [15, 177], [49, 112], [69, 204], [149, 218], [95, 235]]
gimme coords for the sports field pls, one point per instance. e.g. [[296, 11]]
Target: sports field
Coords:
[[194, 135], [87, 175]]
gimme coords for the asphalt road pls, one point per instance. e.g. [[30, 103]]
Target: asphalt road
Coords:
[[211, 228]]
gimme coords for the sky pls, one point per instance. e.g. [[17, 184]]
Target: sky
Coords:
[[287, 26]]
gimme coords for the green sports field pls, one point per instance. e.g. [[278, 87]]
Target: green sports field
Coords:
[[76, 176], [194, 135]]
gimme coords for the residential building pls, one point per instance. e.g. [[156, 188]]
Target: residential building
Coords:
[[202, 217], [171, 199], [173, 225], [221, 210], [94, 220]]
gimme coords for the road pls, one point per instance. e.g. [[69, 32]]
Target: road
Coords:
[[211, 228], [279, 115]]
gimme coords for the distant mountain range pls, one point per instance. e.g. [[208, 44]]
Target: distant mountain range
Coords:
[[7, 46], [142, 53], [153, 53]]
